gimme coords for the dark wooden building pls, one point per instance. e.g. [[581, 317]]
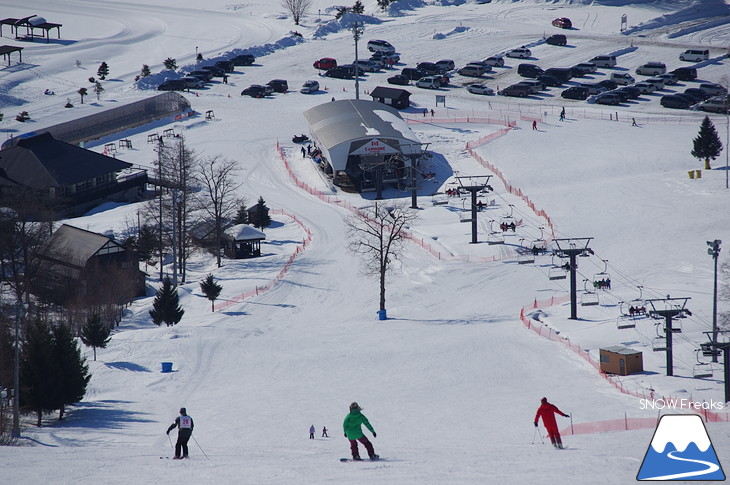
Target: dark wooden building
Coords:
[[397, 98], [621, 360], [243, 241]]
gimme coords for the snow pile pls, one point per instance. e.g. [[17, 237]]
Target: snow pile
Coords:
[[343, 23], [456, 30]]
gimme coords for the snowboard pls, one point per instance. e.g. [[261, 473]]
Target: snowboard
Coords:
[[344, 460]]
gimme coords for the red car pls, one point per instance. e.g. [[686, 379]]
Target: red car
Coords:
[[563, 23], [325, 63]]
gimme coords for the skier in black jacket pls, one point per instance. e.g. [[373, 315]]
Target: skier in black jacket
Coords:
[[185, 425]]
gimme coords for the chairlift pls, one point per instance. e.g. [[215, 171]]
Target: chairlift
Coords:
[[625, 320], [540, 245], [709, 350], [464, 214], [508, 221], [525, 256], [702, 370], [602, 280], [659, 344], [494, 237], [558, 271], [588, 298]]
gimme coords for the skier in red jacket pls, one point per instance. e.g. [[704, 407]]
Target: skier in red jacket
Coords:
[[547, 412]]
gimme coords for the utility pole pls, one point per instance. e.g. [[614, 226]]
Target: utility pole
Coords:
[[21, 312], [714, 251], [714, 349], [357, 30], [668, 313], [571, 248]]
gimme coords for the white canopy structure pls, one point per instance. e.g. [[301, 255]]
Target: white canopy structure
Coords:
[[360, 140]]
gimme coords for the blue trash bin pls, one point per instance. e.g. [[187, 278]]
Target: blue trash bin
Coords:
[[167, 367], [382, 315]]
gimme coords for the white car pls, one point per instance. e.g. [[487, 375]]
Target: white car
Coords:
[[520, 53], [668, 78], [368, 65], [428, 82], [193, 82], [309, 87], [645, 88], [494, 61], [480, 89]]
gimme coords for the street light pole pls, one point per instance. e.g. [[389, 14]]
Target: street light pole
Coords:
[[15, 432], [714, 251]]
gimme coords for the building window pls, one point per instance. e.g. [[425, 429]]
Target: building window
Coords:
[[604, 358]]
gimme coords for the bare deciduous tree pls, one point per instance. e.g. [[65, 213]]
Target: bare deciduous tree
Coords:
[[297, 8], [378, 236]]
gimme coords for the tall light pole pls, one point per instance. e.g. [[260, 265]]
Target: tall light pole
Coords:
[[357, 30], [714, 251], [15, 432]]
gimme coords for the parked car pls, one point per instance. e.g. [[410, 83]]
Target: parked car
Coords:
[[563, 23], [443, 79], [695, 55], [227, 66], [494, 61], [412, 73], [668, 78], [562, 73], [428, 82], [339, 73], [479, 89], [575, 92], [309, 87], [354, 70], [608, 84], [519, 53], [651, 69], [534, 85], [622, 78], [593, 88], [376, 45], [608, 98], [685, 73], [279, 85], [698, 93], [623, 95], [557, 39], [487, 67], [471, 70], [604, 61], [206, 76], [217, 71], [713, 89], [399, 79], [368, 65], [645, 88], [689, 97], [717, 104], [193, 82], [631, 91], [386, 59], [551, 81], [325, 63], [244, 60], [588, 67], [430, 68], [255, 91], [580, 70], [529, 70], [659, 83], [519, 90], [172, 85], [446, 65], [673, 101]]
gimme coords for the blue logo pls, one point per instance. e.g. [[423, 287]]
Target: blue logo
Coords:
[[681, 450]]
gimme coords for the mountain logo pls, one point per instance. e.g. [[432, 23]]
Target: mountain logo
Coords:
[[681, 450]]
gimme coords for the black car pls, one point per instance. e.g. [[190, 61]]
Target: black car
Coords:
[[579, 71], [430, 68], [217, 71], [278, 85], [623, 95], [689, 97], [529, 70], [685, 73], [227, 66], [575, 92], [399, 79], [698, 93], [172, 85], [339, 73], [413, 74], [243, 60], [518, 90], [557, 39], [562, 73], [255, 91], [608, 98], [548, 80], [202, 75], [673, 101], [631, 91], [353, 69], [608, 84]]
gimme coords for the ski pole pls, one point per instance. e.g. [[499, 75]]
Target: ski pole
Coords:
[[533, 435], [170, 440], [201, 449]]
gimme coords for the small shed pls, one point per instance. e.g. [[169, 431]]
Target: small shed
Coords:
[[243, 241], [621, 360], [397, 98]]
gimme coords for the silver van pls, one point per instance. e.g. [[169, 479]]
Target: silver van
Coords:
[[472, 70], [622, 78], [310, 87], [694, 55], [604, 61]]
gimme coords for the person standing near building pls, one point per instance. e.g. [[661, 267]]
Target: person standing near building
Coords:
[[311, 432], [353, 432], [547, 412], [184, 423]]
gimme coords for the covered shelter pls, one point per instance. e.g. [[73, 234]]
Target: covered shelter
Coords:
[[363, 144], [6, 50], [33, 22], [621, 360], [243, 241], [397, 98]]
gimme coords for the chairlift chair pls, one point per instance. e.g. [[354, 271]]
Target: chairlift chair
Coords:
[[464, 214], [525, 256], [702, 370], [556, 271], [624, 322], [659, 344], [602, 280], [588, 298], [494, 237]]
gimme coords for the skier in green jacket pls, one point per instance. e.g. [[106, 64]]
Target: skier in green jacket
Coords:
[[353, 432]]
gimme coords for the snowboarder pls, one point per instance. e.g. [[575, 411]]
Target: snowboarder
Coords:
[[311, 432], [353, 432], [534, 124], [547, 412], [633, 122], [184, 423], [324, 432]]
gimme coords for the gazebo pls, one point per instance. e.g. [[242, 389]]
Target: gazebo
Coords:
[[243, 241]]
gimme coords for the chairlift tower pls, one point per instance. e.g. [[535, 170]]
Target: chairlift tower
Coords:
[[474, 184], [668, 313], [571, 248], [713, 348]]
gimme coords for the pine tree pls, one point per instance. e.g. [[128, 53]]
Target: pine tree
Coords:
[[383, 4], [103, 70], [210, 289], [38, 390], [145, 71], [82, 92], [98, 89], [95, 333], [71, 370], [260, 217], [166, 307], [358, 8], [241, 216], [170, 63], [707, 145]]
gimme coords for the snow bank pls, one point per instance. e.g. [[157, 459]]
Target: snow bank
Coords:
[[343, 23]]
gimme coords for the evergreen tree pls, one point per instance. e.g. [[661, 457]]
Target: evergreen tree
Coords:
[[170, 63], [38, 389], [103, 70], [260, 217], [211, 290], [166, 307], [95, 333], [82, 92], [146, 243], [98, 89], [358, 8], [145, 71], [707, 145], [383, 4], [1, 116], [241, 216], [70, 368]]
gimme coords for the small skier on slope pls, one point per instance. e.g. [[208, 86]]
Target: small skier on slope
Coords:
[[547, 411], [185, 431], [353, 432]]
